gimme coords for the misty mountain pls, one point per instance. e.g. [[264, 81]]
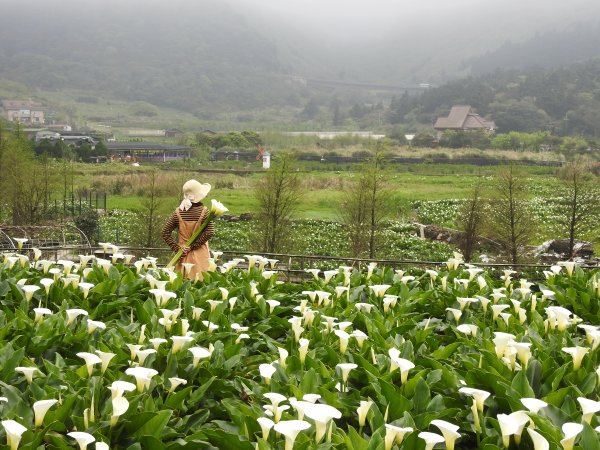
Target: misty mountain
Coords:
[[211, 56], [438, 45], [174, 54], [547, 50]]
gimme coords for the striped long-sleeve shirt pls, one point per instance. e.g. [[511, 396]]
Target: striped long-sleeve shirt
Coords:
[[191, 215]]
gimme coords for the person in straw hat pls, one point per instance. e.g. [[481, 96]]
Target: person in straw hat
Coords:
[[188, 216]]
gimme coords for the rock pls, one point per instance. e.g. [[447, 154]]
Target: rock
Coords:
[[558, 249], [244, 217], [435, 233]]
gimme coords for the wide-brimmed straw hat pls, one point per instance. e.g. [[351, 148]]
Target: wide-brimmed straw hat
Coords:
[[195, 191]]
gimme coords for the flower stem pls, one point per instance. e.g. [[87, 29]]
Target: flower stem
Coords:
[[191, 240]]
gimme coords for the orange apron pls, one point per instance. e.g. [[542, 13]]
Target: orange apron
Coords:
[[198, 257]]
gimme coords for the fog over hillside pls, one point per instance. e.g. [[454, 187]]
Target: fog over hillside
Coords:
[[386, 40], [242, 54]]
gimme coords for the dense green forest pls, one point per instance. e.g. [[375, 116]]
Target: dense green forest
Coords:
[[563, 101]]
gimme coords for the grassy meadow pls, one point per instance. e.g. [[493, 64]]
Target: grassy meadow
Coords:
[[322, 190]]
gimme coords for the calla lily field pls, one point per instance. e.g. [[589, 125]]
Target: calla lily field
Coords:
[[123, 354]]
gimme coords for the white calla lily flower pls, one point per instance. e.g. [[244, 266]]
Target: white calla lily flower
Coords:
[[400, 363], [143, 354], [14, 430], [156, 342], [577, 353], [431, 439], [210, 326], [449, 431], [501, 341], [94, 325], [533, 404], [290, 430], [142, 376], [20, 242], [569, 266], [497, 310], [176, 382], [478, 395], [27, 372], [322, 415], [199, 353], [379, 289], [539, 441], [267, 371], [558, 317], [47, 282], [29, 290], [72, 314], [283, 354], [90, 359], [275, 398], [217, 208], [395, 434], [589, 408], [345, 369], [362, 412], [85, 288], [344, 338], [512, 424], [40, 313], [465, 302], [120, 405], [82, 438], [265, 425], [179, 342], [360, 337], [119, 387], [40, 408], [303, 349], [272, 305], [468, 329], [570, 431], [508, 427], [523, 352], [456, 313]]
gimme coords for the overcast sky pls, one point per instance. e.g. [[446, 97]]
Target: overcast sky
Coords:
[[344, 18]]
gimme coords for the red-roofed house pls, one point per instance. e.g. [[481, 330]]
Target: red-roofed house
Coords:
[[462, 118]]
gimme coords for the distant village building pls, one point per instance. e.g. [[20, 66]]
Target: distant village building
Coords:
[[173, 132], [46, 134], [266, 160], [145, 133], [59, 127], [462, 118], [23, 111], [69, 138], [146, 151], [335, 134]]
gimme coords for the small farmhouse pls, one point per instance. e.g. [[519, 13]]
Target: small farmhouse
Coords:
[[23, 111], [462, 118]]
